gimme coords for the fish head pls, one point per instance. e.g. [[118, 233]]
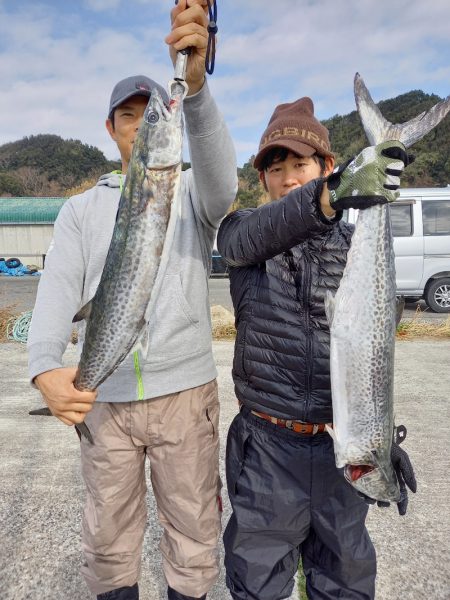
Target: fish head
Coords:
[[374, 477], [162, 139]]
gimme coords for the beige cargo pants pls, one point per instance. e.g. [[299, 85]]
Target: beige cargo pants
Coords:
[[179, 435]]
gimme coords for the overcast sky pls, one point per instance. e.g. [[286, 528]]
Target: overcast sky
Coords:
[[59, 59]]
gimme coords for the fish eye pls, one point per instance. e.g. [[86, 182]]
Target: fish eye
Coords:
[[152, 117]]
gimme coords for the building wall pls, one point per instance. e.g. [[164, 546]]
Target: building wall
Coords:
[[25, 241]]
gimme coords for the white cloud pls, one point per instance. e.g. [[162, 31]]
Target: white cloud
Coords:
[[59, 61], [60, 83]]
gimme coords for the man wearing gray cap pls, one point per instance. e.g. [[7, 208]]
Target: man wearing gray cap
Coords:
[[162, 404], [288, 497]]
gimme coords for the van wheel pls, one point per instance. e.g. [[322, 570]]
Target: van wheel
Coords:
[[437, 295]]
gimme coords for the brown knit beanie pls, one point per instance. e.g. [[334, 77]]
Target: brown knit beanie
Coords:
[[294, 126]]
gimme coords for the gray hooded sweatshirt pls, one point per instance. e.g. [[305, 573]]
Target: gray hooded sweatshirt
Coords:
[[179, 353]]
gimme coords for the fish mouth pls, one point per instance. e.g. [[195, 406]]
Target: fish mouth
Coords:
[[355, 472]]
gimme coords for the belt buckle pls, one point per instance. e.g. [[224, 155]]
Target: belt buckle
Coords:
[[300, 427], [289, 424]]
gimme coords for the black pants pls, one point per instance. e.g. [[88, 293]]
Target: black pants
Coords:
[[289, 499]]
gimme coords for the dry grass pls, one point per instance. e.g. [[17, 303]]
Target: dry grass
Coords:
[[222, 323], [223, 331], [419, 327], [6, 313], [416, 328]]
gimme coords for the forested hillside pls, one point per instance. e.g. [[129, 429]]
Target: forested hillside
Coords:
[[432, 154], [47, 165], [431, 167]]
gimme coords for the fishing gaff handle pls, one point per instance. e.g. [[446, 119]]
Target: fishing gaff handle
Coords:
[[181, 64], [210, 59]]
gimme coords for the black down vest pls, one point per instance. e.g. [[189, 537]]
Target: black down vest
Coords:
[[283, 257]]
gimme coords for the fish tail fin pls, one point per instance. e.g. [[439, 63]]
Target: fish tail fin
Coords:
[[378, 129], [42, 412], [83, 430]]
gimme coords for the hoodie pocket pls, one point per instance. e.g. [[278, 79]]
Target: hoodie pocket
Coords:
[[174, 325]]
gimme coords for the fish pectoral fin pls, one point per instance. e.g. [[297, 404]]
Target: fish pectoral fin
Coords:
[[83, 313], [142, 341], [330, 302]]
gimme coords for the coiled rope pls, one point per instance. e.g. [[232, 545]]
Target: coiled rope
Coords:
[[17, 327]]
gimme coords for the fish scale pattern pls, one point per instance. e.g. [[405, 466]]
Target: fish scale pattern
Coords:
[[362, 355], [118, 315]]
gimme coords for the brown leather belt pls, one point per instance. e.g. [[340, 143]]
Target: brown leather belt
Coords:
[[297, 426]]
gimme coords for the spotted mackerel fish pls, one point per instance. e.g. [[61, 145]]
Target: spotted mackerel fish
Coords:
[[117, 316], [362, 317]]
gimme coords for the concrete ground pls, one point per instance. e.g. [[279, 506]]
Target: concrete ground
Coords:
[[41, 491]]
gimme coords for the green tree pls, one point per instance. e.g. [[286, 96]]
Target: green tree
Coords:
[[250, 191], [10, 185]]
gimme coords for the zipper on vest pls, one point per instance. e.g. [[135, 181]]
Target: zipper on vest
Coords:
[[309, 361]]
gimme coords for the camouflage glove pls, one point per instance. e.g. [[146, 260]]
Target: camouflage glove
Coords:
[[372, 177], [404, 471]]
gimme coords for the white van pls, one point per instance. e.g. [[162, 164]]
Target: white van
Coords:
[[421, 227]]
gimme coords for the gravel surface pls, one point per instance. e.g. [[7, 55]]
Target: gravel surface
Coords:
[[41, 490]]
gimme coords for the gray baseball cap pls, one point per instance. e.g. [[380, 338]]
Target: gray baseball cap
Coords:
[[136, 85]]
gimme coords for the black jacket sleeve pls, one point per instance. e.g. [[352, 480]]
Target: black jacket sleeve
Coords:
[[255, 235]]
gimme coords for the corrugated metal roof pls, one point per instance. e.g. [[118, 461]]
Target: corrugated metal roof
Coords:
[[30, 210]]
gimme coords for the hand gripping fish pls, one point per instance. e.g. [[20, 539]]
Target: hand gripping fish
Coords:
[[362, 318], [117, 316]]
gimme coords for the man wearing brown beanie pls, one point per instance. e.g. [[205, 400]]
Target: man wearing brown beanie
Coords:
[[288, 497]]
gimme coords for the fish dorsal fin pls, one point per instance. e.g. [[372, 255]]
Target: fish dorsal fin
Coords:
[[83, 313], [378, 129], [330, 302]]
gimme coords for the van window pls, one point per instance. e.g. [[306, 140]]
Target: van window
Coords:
[[401, 219], [436, 217]]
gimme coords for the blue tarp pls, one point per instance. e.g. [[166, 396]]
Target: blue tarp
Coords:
[[16, 271]]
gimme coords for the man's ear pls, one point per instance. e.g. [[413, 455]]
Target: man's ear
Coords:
[[262, 179], [110, 127], [329, 165]]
